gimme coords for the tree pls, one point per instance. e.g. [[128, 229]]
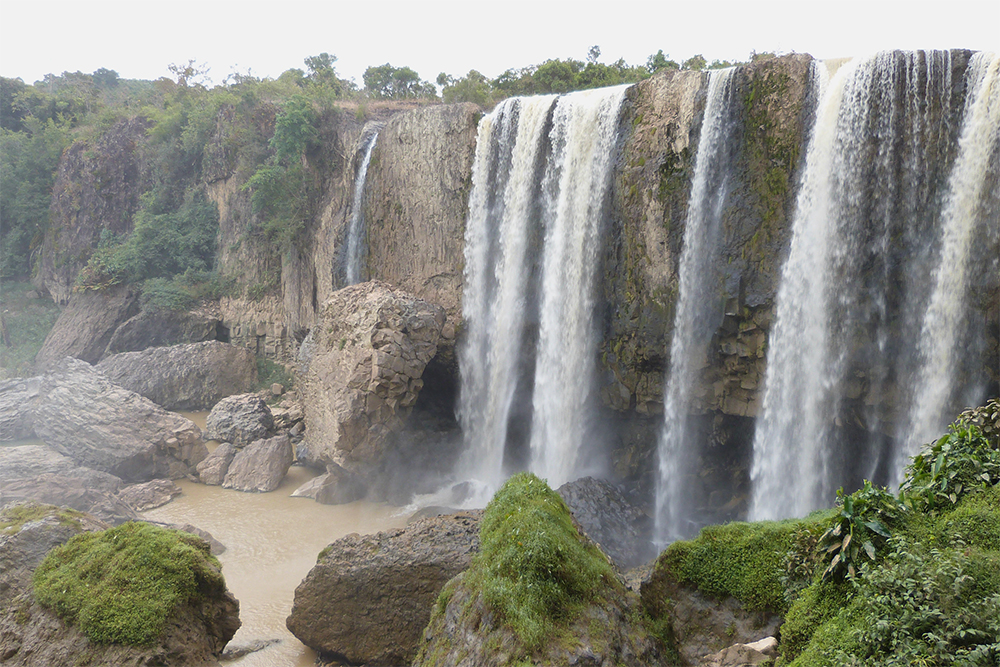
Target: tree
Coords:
[[658, 61], [473, 87], [593, 54], [388, 82], [696, 63], [189, 74]]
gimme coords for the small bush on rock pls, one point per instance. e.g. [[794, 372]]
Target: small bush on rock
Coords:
[[121, 585]]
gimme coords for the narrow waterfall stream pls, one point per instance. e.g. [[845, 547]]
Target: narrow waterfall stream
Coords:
[[696, 315], [880, 235], [536, 213], [354, 261]]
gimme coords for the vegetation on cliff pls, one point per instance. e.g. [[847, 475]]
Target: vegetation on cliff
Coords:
[[882, 579], [121, 585]]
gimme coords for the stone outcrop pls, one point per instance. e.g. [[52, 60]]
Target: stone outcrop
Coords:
[[606, 517], [260, 466], [86, 325], [369, 597], [194, 376], [372, 344], [417, 193], [336, 486], [32, 635], [157, 328], [79, 413], [213, 468], [97, 187], [148, 495], [239, 419], [80, 489], [743, 655]]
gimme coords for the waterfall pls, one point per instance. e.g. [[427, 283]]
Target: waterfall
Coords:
[[944, 319], [536, 211], [356, 226], [866, 239], [697, 314]]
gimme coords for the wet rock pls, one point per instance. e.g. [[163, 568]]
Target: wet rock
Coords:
[[607, 518], [243, 650], [81, 414], [148, 495], [194, 376], [369, 597], [239, 419], [372, 345], [31, 635], [213, 469], [16, 420], [260, 466], [214, 545], [335, 487]]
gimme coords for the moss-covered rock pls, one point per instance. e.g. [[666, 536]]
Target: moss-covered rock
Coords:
[[537, 593]]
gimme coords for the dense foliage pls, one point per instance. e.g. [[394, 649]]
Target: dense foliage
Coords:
[[122, 584]]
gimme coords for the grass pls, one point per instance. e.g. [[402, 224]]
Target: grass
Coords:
[[14, 518], [121, 585], [27, 321]]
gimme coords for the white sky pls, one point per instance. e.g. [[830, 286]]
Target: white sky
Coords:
[[139, 38]]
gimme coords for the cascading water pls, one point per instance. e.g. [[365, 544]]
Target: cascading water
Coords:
[[539, 184], [356, 226], [866, 235], [696, 316], [963, 215]]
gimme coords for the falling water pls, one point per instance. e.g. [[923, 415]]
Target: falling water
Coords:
[[539, 184], [944, 318], [865, 243], [356, 226], [696, 315]]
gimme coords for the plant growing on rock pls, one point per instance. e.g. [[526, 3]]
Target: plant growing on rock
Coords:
[[861, 527]]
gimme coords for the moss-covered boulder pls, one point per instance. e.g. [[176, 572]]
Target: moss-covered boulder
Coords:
[[538, 593], [136, 594]]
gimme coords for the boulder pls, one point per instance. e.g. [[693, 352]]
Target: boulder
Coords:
[[33, 635], [148, 495], [261, 465], [239, 419], [743, 655], [369, 597], [194, 376], [86, 325], [79, 413], [157, 328], [16, 421], [213, 469], [75, 492], [335, 487], [372, 344], [607, 518]]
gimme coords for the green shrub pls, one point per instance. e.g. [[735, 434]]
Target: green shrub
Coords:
[[861, 526], [534, 569], [121, 585], [957, 463], [270, 372]]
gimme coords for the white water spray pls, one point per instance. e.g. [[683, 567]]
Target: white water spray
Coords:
[[355, 228]]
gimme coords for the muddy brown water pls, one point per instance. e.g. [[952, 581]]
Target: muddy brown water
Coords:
[[272, 541]]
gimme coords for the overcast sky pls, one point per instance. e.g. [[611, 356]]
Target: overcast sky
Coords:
[[140, 38]]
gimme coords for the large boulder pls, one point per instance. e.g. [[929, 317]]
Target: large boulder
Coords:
[[194, 376], [30, 634], [15, 408], [372, 344], [147, 495], [79, 413], [616, 525], [212, 470], [73, 489], [261, 465], [239, 419], [157, 328], [334, 487], [369, 597]]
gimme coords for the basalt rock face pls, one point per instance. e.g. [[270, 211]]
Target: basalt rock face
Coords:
[[184, 377], [369, 597], [79, 413], [155, 328], [97, 187], [371, 347]]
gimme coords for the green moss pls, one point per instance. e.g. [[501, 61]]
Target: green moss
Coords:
[[744, 560], [534, 569], [121, 585], [818, 603], [14, 518]]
